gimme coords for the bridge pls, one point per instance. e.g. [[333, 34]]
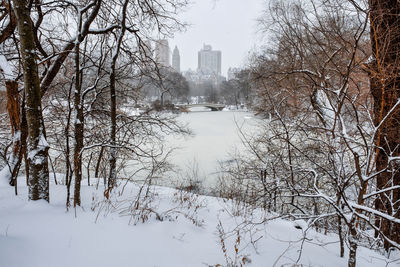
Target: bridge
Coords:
[[213, 107]]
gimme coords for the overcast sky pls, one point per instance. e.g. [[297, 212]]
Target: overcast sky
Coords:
[[227, 25]]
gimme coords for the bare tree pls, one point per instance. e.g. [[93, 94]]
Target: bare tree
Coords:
[[113, 97], [322, 156], [385, 88], [51, 47], [37, 144]]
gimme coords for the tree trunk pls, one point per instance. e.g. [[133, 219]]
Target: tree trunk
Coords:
[[385, 89], [352, 238], [113, 98], [68, 168], [340, 234], [37, 145], [96, 174], [113, 113], [78, 123], [88, 168]]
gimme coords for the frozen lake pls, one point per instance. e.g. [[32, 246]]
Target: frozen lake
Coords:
[[216, 137]]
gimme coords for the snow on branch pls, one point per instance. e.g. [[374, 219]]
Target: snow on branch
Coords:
[[6, 68], [375, 212]]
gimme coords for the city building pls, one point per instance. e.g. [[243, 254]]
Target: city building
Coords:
[[209, 61], [162, 52], [199, 78], [176, 60]]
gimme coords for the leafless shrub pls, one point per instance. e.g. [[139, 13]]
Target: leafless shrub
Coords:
[[234, 257]]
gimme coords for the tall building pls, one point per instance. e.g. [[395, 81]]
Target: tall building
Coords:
[[209, 61], [162, 52], [176, 60]]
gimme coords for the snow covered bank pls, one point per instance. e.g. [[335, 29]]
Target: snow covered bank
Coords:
[[37, 234]]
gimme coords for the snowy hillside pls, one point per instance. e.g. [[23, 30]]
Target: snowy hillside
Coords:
[[179, 229]]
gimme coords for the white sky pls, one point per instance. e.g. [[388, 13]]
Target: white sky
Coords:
[[227, 25]]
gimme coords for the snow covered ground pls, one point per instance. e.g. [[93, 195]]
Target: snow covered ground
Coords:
[[38, 234]]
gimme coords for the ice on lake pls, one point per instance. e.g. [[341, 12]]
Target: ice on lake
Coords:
[[216, 138]]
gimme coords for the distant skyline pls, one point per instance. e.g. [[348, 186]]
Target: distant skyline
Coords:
[[176, 60], [226, 25]]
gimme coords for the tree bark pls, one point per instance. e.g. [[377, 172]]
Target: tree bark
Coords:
[[78, 123], [37, 145], [352, 238], [68, 168], [97, 169], [113, 117]]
